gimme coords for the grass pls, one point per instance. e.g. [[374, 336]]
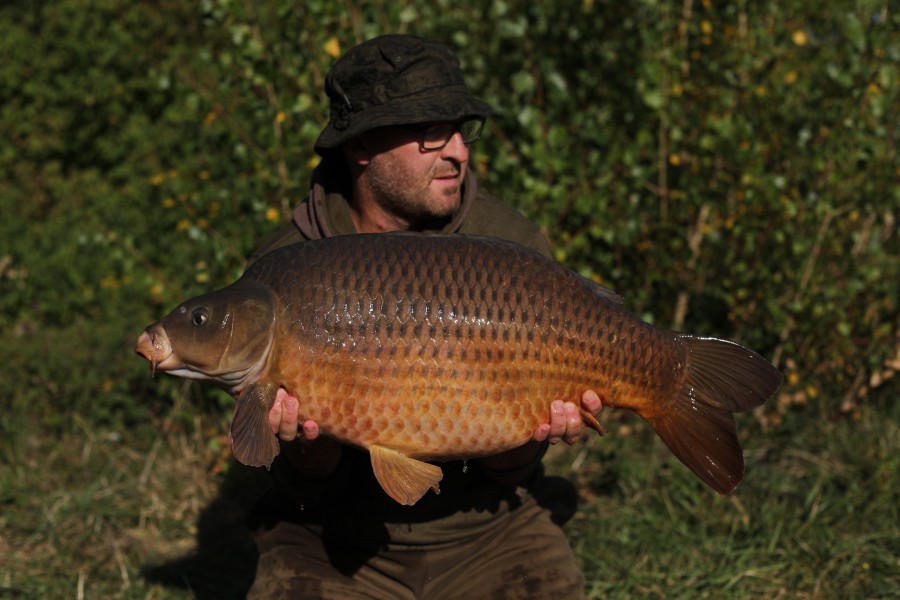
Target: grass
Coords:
[[818, 516], [155, 511]]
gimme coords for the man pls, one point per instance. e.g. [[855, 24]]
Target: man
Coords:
[[395, 158]]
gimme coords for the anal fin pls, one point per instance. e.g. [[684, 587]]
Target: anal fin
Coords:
[[403, 478]]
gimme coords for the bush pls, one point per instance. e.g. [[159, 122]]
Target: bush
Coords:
[[730, 170]]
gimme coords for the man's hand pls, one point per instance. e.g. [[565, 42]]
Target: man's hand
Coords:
[[284, 420], [311, 455], [565, 420], [565, 425]]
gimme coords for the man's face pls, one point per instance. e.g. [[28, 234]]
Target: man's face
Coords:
[[414, 184]]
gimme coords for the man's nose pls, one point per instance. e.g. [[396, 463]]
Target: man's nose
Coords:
[[456, 149]]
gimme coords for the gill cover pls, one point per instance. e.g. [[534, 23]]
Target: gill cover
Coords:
[[225, 335]]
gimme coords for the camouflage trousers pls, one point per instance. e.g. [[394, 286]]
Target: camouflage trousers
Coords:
[[522, 555]]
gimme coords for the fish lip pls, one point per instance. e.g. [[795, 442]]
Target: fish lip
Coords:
[[153, 344], [155, 347]]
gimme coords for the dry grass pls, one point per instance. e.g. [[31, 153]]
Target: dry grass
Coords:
[[156, 511], [142, 513]]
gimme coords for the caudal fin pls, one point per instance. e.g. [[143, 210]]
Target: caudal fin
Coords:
[[722, 378]]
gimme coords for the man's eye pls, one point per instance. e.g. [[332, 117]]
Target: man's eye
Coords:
[[439, 133]]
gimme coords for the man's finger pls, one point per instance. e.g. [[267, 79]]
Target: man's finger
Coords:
[[573, 423], [310, 430], [287, 429], [275, 412], [557, 421], [590, 401]]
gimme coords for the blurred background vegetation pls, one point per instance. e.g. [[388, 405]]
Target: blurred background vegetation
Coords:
[[730, 168]]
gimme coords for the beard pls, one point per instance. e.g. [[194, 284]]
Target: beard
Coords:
[[409, 195]]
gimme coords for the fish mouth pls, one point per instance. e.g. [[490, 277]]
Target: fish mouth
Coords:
[[155, 347]]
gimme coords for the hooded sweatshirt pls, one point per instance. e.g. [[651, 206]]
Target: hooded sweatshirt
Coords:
[[351, 504]]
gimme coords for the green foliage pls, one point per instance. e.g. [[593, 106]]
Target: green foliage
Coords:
[[731, 169]]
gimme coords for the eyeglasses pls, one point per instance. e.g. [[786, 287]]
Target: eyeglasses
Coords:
[[437, 135]]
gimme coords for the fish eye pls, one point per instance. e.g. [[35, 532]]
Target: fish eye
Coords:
[[199, 316]]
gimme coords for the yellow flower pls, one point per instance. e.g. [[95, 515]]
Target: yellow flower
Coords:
[[280, 117], [272, 214], [790, 77], [168, 203], [799, 37], [332, 47], [313, 162], [706, 27], [560, 255]]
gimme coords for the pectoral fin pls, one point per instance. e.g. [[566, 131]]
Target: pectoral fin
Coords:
[[251, 438], [404, 479]]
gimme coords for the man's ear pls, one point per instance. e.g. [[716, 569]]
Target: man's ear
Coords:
[[356, 151]]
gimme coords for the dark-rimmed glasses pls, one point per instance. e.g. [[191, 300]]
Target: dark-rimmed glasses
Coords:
[[437, 135]]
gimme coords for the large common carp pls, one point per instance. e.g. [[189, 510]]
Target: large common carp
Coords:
[[429, 348]]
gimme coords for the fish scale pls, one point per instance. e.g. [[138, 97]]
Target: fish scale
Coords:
[[423, 348], [423, 319], [424, 344]]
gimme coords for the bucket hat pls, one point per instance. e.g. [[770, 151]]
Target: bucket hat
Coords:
[[395, 80]]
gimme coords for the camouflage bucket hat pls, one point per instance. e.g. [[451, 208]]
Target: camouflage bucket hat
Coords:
[[395, 80]]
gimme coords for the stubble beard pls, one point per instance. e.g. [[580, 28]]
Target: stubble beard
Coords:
[[409, 196]]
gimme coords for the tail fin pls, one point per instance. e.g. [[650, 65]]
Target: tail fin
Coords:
[[722, 378]]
